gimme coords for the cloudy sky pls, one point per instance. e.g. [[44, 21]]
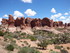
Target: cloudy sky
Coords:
[[58, 10]]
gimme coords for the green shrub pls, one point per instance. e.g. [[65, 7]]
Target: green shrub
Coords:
[[64, 51], [1, 33], [33, 38], [26, 42], [43, 44], [53, 52], [28, 50], [51, 49], [68, 48], [61, 46], [57, 47], [23, 33], [10, 47], [59, 29]]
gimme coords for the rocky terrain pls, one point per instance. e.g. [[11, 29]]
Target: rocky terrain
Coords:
[[34, 35]]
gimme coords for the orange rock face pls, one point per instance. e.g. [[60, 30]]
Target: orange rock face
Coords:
[[36, 22], [68, 24], [4, 21], [46, 22], [29, 22], [57, 24], [17, 22], [11, 20], [60, 23]]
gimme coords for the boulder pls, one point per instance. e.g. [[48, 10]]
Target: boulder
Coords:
[[60, 23], [17, 22], [46, 22], [11, 21], [4, 21], [55, 24], [28, 21], [36, 23], [68, 24]]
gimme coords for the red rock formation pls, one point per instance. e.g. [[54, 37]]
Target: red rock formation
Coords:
[[22, 21], [46, 22], [55, 24], [4, 21], [11, 21], [51, 24], [60, 23], [36, 22], [68, 24], [17, 22], [28, 21]]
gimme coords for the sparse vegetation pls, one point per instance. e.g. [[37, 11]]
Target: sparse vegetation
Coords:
[[10, 47], [28, 50], [44, 38], [1, 33], [54, 52], [68, 48], [57, 47], [43, 44], [26, 42], [64, 51], [33, 38]]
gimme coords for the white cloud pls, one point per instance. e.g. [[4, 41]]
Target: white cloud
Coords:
[[56, 15], [18, 14], [62, 17], [15, 17], [30, 12], [66, 20], [66, 14], [5, 15], [27, 1], [53, 10], [0, 20]]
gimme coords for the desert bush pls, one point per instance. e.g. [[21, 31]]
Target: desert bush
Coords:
[[28, 50], [61, 46], [57, 47], [51, 49], [15, 36], [63, 51], [26, 42], [33, 38], [23, 33], [43, 44], [59, 29], [68, 48], [10, 47], [54, 52], [8, 36], [1, 33]]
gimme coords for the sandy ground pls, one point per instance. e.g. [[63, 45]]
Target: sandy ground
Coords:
[[49, 47], [33, 44], [26, 30]]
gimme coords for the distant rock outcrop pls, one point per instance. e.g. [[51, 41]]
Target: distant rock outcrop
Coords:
[[46, 22], [31, 22], [36, 22], [11, 21], [4, 21]]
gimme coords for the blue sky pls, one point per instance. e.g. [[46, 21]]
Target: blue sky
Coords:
[[53, 9]]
